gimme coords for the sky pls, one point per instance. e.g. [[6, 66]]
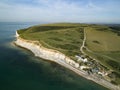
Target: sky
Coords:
[[80, 11]]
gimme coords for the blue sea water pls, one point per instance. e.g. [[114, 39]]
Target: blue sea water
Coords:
[[20, 70]]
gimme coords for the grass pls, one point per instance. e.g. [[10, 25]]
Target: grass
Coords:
[[66, 38], [105, 47], [108, 41], [104, 44]]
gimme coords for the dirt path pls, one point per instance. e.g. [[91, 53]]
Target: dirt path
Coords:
[[83, 44]]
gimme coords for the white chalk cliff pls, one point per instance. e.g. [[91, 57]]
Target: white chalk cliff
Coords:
[[58, 57], [43, 52]]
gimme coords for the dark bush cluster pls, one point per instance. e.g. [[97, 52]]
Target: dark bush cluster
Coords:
[[116, 29], [113, 82], [102, 29], [114, 64], [95, 41], [80, 30]]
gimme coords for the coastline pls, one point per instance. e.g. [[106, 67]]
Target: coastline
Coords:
[[59, 58]]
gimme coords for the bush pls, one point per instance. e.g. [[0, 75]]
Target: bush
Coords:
[[114, 64], [113, 82], [80, 30], [117, 75], [96, 42], [118, 33]]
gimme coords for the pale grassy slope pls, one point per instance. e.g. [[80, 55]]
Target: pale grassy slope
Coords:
[[104, 45], [108, 41]]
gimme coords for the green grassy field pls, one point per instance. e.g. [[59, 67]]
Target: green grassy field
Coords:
[[98, 40], [104, 44], [67, 38]]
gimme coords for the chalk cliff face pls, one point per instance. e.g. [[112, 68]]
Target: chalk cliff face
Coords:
[[17, 35], [57, 57], [43, 52]]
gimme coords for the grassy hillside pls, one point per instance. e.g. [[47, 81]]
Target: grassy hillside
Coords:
[[104, 45], [66, 38], [102, 41]]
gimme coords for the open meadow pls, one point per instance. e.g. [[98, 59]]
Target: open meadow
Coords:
[[104, 45], [102, 42], [66, 38]]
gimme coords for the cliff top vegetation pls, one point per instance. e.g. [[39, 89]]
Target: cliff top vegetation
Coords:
[[102, 41]]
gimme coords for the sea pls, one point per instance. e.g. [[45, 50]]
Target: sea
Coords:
[[21, 70]]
